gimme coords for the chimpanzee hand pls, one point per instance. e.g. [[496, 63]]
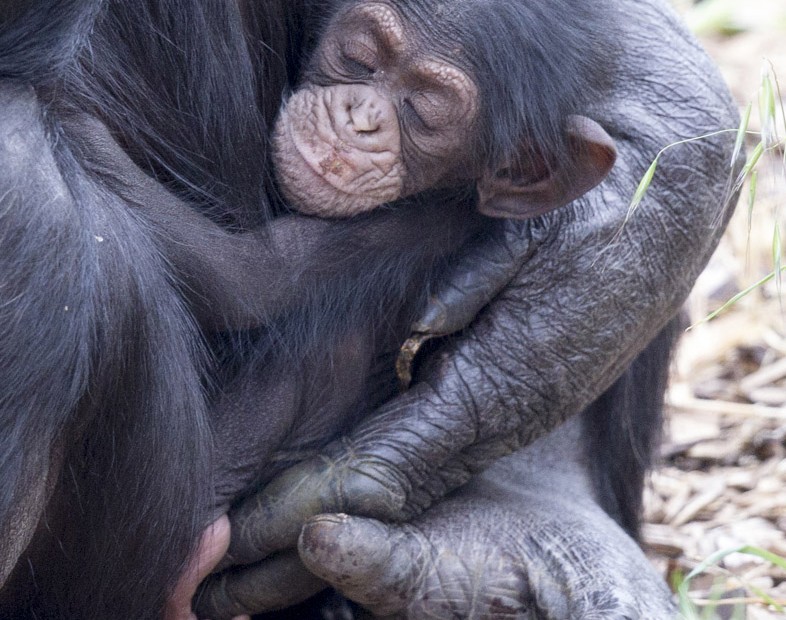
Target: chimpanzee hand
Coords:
[[489, 553], [341, 479], [524, 539]]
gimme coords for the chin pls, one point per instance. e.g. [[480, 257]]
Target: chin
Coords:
[[309, 193]]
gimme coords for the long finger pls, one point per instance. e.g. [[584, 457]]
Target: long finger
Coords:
[[277, 583], [373, 564], [352, 482]]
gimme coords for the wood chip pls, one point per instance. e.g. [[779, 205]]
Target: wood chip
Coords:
[[764, 376], [713, 491]]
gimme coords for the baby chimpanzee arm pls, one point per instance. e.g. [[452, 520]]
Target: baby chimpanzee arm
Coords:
[[230, 280], [244, 280]]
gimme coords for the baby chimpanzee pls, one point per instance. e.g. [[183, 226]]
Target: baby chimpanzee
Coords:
[[398, 99], [390, 106]]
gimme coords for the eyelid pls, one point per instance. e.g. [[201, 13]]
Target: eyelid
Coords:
[[362, 50], [412, 111], [424, 108]]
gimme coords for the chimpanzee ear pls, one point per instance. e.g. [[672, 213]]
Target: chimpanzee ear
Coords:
[[514, 192]]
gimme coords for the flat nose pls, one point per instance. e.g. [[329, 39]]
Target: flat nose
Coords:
[[364, 115]]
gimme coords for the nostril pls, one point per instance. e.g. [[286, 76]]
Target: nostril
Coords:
[[365, 121], [367, 129]]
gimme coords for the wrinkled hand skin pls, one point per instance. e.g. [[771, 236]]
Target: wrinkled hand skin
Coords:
[[506, 545], [593, 289], [503, 547]]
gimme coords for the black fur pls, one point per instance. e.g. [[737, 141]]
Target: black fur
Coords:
[[39, 39], [102, 361], [178, 81], [100, 357], [623, 430]]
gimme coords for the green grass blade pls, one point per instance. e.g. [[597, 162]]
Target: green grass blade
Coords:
[[641, 190], [779, 97], [741, 132], [749, 165], [767, 556], [776, 258], [712, 560], [754, 180], [766, 598], [753, 159], [767, 109], [688, 609], [716, 593], [735, 299]]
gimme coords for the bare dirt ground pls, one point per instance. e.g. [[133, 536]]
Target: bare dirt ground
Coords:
[[723, 479]]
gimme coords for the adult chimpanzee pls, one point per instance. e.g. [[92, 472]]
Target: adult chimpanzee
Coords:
[[155, 72], [326, 185]]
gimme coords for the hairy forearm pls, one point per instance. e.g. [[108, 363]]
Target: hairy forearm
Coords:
[[600, 283], [597, 285]]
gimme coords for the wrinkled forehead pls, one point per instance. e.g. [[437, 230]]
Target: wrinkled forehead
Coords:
[[429, 26]]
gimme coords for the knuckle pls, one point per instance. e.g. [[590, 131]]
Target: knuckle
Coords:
[[373, 488]]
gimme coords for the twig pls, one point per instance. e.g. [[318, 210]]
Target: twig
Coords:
[[724, 407]]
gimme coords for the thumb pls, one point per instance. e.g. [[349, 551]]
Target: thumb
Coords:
[[369, 562]]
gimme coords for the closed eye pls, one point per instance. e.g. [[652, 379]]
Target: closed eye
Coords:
[[411, 115], [359, 57], [356, 68]]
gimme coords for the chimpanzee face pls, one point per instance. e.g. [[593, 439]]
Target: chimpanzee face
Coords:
[[390, 106], [381, 114]]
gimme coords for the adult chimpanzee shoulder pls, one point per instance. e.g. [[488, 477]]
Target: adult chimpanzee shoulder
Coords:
[[105, 429]]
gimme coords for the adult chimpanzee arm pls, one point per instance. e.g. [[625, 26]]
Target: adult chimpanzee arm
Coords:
[[522, 549], [596, 287], [80, 280]]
